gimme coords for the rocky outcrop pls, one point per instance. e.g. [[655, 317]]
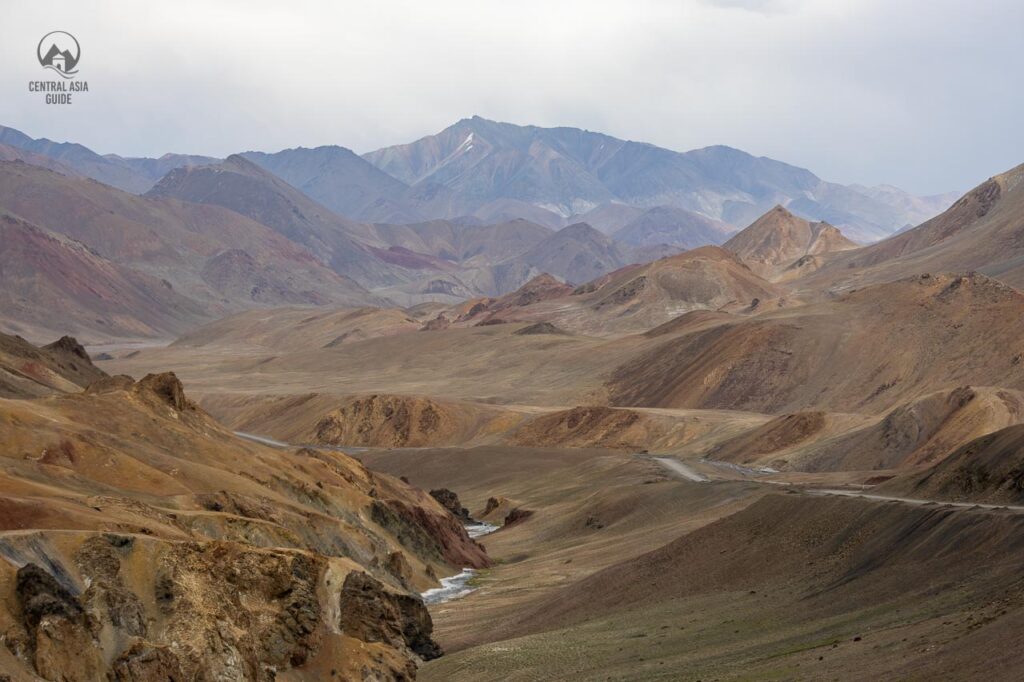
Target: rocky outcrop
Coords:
[[167, 388], [144, 662], [517, 516], [588, 426], [437, 324], [538, 328], [450, 501], [212, 611], [195, 555], [59, 636], [387, 421], [370, 612], [440, 536]]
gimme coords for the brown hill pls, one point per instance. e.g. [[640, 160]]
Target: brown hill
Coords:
[[586, 427], [978, 232], [543, 287], [913, 434], [597, 426], [796, 562], [341, 181], [49, 282], [376, 420], [466, 244], [181, 243], [577, 253], [247, 189], [9, 153], [672, 226], [637, 298], [28, 372], [867, 351], [391, 421], [987, 469], [129, 491], [293, 329], [776, 240]]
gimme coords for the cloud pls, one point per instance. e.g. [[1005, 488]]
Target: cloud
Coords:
[[760, 6], [921, 93]]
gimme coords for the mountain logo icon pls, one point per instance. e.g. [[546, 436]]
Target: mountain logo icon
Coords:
[[59, 50]]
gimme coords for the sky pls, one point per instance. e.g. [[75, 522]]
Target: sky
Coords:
[[922, 94]]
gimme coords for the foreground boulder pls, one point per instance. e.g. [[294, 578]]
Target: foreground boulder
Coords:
[[372, 613], [210, 611]]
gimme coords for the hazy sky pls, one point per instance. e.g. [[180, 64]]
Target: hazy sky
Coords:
[[924, 94]]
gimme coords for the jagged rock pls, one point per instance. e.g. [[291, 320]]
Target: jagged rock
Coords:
[[61, 641], [40, 595], [167, 387], [69, 345], [517, 515], [450, 501], [146, 662], [368, 611], [119, 382], [398, 566], [99, 559], [430, 535]]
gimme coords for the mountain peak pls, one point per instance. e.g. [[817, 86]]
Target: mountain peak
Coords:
[[778, 238]]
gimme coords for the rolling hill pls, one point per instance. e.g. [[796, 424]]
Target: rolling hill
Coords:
[[672, 226], [866, 351], [978, 232], [205, 260], [779, 241], [343, 182]]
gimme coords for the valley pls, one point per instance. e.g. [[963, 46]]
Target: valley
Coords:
[[329, 421]]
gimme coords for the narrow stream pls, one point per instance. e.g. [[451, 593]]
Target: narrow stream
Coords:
[[457, 586], [478, 529], [452, 587]]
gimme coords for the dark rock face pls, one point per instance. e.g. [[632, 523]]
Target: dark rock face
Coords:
[[69, 345], [373, 614], [517, 515], [434, 536], [40, 595], [450, 501], [538, 328], [61, 639]]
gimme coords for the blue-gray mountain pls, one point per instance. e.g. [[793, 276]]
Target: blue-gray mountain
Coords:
[[551, 176], [570, 171]]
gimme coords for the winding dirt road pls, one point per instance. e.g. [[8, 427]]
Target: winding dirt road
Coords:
[[685, 471]]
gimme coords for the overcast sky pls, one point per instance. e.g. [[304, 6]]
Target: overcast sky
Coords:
[[923, 94]]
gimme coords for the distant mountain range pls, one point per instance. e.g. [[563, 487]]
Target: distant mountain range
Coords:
[[570, 171], [477, 210], [551, 176]]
